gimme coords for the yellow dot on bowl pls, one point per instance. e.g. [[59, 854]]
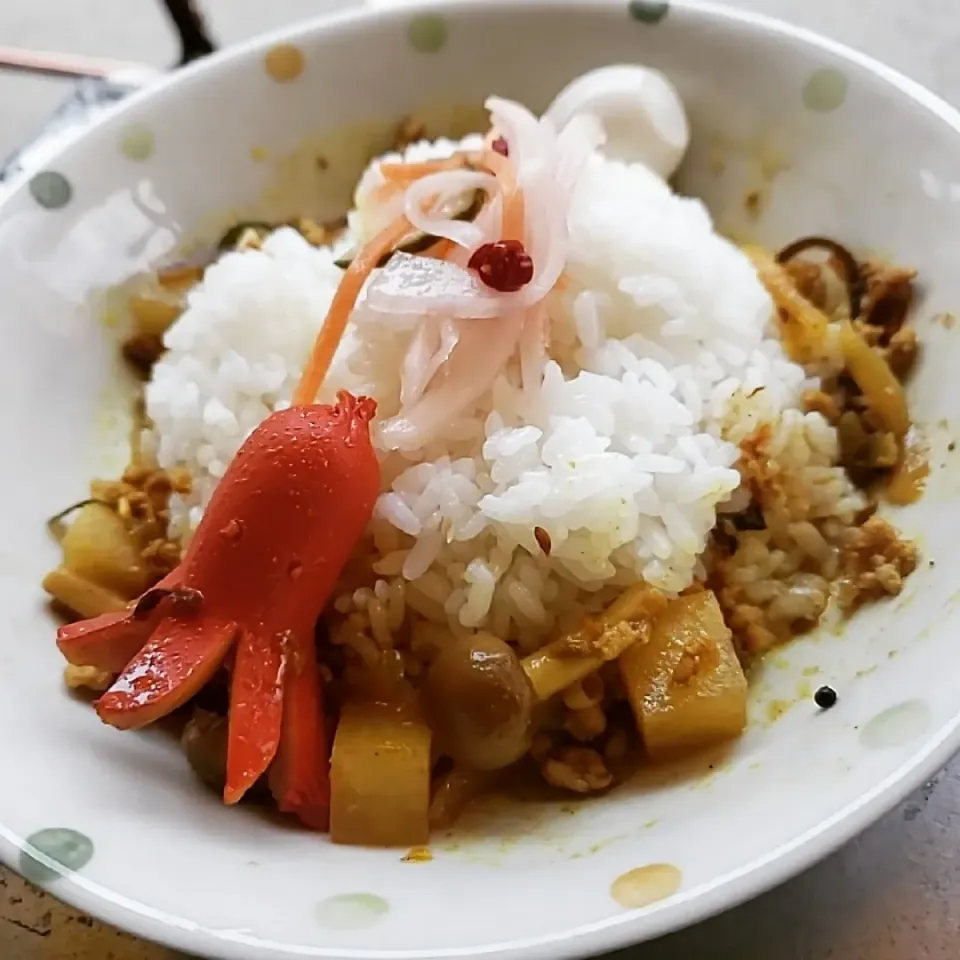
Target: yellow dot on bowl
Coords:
[[645, 885], [825, 90], [259, 154], [284, 62]]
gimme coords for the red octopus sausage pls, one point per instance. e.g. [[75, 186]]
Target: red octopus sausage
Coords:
[[273, 540]]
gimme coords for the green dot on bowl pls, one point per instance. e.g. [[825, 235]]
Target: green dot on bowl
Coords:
[[351, 911], [825, 90], [427, 32], [51, 190], [648, 11], [69, 848], [137, 143], [897, 725]]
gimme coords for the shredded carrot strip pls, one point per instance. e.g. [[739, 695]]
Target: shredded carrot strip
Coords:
[[398, 176], [363, 264], [440, 250], [407, 173], [344, 300], [514, 225]]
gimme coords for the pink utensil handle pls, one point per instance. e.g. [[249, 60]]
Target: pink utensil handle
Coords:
[[70, 65]]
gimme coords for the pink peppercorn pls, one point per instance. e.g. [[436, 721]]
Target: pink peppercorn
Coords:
[[504, 265]]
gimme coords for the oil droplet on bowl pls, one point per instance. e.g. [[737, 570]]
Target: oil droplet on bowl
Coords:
[[645, 885], [418, 855], [897, 725]]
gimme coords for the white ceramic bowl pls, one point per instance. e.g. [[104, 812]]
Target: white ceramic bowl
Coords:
[[836, 143]]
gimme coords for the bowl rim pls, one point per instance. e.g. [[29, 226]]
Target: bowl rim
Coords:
[[630, 927]]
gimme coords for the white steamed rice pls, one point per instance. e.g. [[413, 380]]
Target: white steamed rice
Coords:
[[663, 358]]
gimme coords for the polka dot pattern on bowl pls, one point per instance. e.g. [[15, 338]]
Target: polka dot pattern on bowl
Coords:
[[825, 90], [648, 11], [69, 848], [645, 885], [896, 726], [283, 63], [427, 32], [351, 911], [51, 190], [137, 142]]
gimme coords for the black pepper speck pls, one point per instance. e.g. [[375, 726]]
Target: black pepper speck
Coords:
[[825, 698]]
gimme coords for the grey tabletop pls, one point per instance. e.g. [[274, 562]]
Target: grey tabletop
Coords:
[[892, 894]]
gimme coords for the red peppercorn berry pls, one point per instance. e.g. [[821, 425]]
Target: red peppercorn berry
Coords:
[[500, 146], [504, 266]]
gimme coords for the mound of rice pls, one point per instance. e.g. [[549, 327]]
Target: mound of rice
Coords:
[[663, 361]]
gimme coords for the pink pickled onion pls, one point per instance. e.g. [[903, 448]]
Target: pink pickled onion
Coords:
[[437, 192], [533, 348], [482, 352], [577, 140], [429, 349], [428, 287], [549, 165], [489, 223], [468, 332], [531, 142]]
